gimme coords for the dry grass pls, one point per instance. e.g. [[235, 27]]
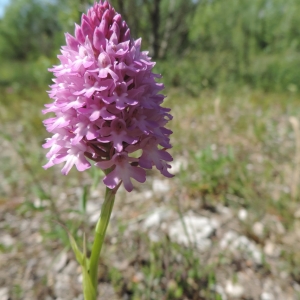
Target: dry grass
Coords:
[[242, 151]]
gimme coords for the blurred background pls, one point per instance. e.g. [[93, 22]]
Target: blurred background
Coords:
[[227, 226], [232, 44]]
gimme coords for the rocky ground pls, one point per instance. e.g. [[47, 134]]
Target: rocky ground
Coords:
[[225, 227], [36, 265]]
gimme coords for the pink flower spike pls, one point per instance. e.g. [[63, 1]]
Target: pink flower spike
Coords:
[[98, 39], [60, 121], [79, 160], [164, 171], [78, 34], [75, 155], [121, 96], [71, 42], [152, 155], [105, 66], [97, 109], [84, 127], [117, 134], [123, 171], [106, 102]]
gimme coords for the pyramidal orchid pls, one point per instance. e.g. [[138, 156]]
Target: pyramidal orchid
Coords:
[[106, 103], [107, 107]]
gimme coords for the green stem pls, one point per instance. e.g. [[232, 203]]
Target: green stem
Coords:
[[100, 235]]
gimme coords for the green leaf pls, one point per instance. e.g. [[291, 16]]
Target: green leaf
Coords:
[[78, 254], [83, 199], [6, 136], [88, 288]]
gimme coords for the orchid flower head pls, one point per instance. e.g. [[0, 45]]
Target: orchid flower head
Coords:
[[107, 103]]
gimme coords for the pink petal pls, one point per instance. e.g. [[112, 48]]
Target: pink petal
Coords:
[[98, 39], [69, 164], [112, 179], [138, 174], [81, 163], [105, 164]]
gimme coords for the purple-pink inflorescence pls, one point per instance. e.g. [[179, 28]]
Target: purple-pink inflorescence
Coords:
[[107, 103]]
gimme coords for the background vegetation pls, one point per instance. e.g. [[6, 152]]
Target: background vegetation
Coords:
[[232, 75], [217, 43]]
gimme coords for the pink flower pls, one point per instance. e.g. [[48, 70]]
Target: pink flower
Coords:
[[123, 170], [117, 134], [107, 103]]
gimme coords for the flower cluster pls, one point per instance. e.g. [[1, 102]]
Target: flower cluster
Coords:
[[107, 104]]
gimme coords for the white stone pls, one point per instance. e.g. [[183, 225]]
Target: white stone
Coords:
[[38, 202], [37, 237], [297, 213], [213, 147], [153, 220], [177, 165], [160, 186], [249, 167], [223, 210], [242, 214], [156, 222], [94, 217], [80, 278], [62, 286], [156, 218], [148, 194], [60, 262], [96, 193], [271, 249], [234, 290], [220, 290], [228, 238], [296, 287], [23, 225], [92, 206], [7, 240], [233, 242], [71, 267], [154, 236], [93, 209], [258, 229], [286, 189], [280, 228], [266, 296], [193, 230], [4, 293], [284, 275]]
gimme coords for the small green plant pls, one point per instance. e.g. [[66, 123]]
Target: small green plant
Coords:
[[169, 272], [215, 168]]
